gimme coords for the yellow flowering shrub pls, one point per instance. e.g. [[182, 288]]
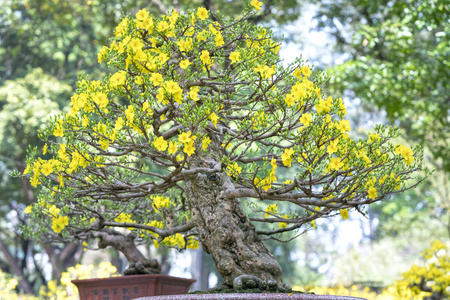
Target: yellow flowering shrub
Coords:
[[433, 279]]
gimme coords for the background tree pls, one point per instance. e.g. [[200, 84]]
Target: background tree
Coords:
[[207, 100], [63, 37], [398, 64], [24, 104], [396, 67]]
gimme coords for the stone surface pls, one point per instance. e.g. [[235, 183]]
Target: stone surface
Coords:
[[249, 296]]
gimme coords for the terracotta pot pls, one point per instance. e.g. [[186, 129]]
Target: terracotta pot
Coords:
[[131, 287], [249, 296]]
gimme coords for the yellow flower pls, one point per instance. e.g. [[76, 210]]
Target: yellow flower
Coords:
[[286, 157], [272, 176], [213, 29], [373, 138], [189, 148], [344, 213], [146, 23], [172, 148], [233, 169], [306, 71], [135, 45], [256, 4], [185, 45], [160, 201], [160, 144], [205, 142], [27, 170], [299, 90], [289, 99], [104, 144], [205, 57], [142, 14], [120, 29], [192, 243], [193, 93], [59, 131], [156, 79], [174, 89], [332, 147], [219, 40], [119, 123], [117, 79], [297, 73], [59, 223], [235, 57], [383, 179], [265, 71], [85, 121], [184, 63], [324, 106], [162, 26], [44, 149], [405, 152], [214, 119], [272, 208], [27, 209], [185, 137], [12, 283], [306, 119], [129, 113], [335, 164], [202, 36], [343, 126], [273, 163], [47, 168], [372, 192], [101, 54], [202, 13], [100, 99]]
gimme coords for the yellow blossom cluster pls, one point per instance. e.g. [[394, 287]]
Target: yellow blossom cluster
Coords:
[[272, 208], [160, 201], [188, 142], [435, 275], [302, 89], [405, 152]]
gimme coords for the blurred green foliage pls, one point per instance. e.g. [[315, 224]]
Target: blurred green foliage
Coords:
[[399, 61], [63, 37]]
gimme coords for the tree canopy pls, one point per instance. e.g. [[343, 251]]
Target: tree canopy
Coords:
[[198, 114]]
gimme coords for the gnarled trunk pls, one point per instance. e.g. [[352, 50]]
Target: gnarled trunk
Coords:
[[138, 263], [224, 229]]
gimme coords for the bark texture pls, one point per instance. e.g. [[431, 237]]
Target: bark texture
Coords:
[[224, 229], [138, 263]]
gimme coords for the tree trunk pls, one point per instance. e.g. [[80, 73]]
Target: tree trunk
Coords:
[[138, 263], [17, 270], [224, 229]]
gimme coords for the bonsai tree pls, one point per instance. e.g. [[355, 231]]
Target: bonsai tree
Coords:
[[186, 140]]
